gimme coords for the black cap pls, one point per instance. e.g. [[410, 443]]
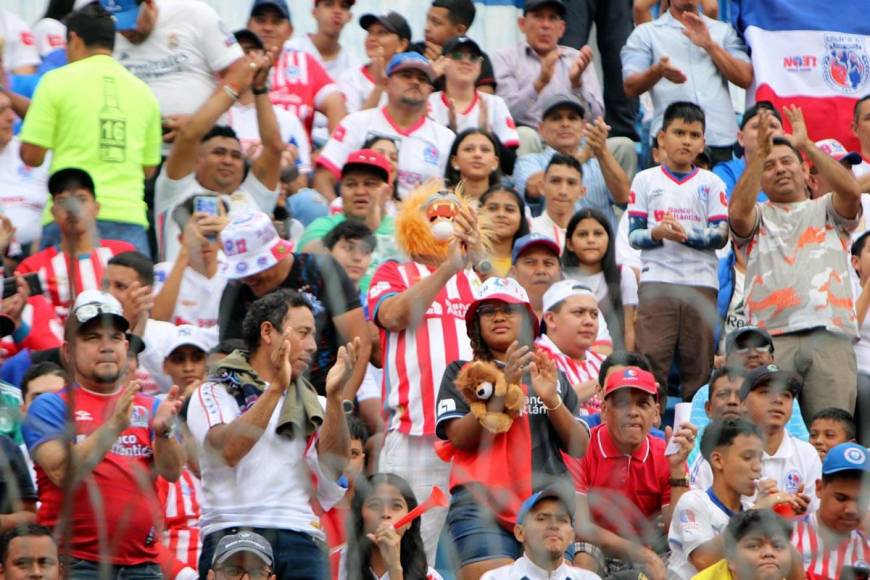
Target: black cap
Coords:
[[247, 36], [61, 179], [458, 42], [737, 336], [765, 375], [562, 100], [392, 21], [532, 5]]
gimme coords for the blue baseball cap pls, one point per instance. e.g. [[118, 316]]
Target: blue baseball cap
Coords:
[[411, 61], [550, 492], [534, 239], [123, 12], [846, 457], [279, 5]]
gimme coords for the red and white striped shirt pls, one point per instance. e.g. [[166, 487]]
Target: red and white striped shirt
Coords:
[[300, 84], [51, 266], [181, 533], [826, 562], [414, 359], [576, 371], [46, 330]]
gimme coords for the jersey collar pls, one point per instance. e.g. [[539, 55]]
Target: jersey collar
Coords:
[[608, 447], [399, 130]]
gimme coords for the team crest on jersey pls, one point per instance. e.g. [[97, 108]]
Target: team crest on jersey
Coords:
[[172, 41], [140, 416], [792, 481], [430, 155], [845, 66], [292, 72], [704, 193]]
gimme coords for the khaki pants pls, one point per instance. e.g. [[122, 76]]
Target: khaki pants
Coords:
[[826, 361], [676, 322]]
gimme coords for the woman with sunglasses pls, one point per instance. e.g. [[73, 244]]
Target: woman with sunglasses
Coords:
[[493, 473], [461, 106]]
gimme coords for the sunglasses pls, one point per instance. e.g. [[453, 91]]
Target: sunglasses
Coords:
[[458, 55], [91, 310], [759, 349], [490, 310]]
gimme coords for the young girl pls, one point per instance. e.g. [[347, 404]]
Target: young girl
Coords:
[[506, 210], [375, 550], [590, 257], [474, 162]]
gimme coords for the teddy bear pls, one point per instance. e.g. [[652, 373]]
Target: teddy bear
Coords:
[[480, 382]]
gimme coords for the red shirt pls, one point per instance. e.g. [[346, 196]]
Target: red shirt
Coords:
[[300, 84], [124, 520], [610, 478], [51, 265], [46, 330]]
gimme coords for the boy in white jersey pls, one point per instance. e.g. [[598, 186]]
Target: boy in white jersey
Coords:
[[733, 447], [678, 218]]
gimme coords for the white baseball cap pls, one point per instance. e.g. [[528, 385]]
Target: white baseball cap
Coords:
[[505, 290], [187, 334], [836, 150], [562, 290], [251, 245], [91, 304]]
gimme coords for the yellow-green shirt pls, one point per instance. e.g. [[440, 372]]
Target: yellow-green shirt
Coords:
[[718, 571], [95, 115]]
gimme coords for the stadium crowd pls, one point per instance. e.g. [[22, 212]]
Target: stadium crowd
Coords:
[[273, 311]]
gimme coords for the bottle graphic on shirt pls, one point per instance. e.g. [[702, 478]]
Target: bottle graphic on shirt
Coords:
[[113, 125]]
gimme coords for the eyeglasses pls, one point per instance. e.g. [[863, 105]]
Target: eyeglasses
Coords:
[[462, 55], [490, 310], [765, 349], [91, 310], [236, 572]]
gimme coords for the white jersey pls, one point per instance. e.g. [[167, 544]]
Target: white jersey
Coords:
[[252, 195], [199, 298], [181, 57], [526, 569], [423, 148], [598, 285], [698, 518], [501, 124], [344, 60], [697, 201], [49, 35], [19, 49], [243, 120], [270, 487], [625, 254], [795, 463], [356, 85], [545, 226], [23, 193]]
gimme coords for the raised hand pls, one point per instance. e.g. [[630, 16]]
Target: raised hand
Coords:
[[764, 138], [799, 137], [579, 65], [280, 360], [519, 362], [167, 412], [122, 414], [389, 542], [545, 379], [669, 229], [548, 66], [341, 371], [483, 115], [264, 63], [696, 30], [685, 438], [595, 134]]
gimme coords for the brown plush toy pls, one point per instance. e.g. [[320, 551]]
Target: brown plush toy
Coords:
[[480, 382]]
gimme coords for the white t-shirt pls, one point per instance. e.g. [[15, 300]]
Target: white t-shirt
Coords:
[[500, 121], [199, 298], [179, 60], [20, 48], [736, 316], [695, 201], [271, 485], [23, 193], [596, 283], [423, 148], [545, 226], [356, 85], [862, 347], [795, 463], [243, 120], [344, 60], [49, 35], [525, 568], [697, 519], [252, 195]]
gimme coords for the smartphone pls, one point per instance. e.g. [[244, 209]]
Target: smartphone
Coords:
[[854, 573], [10, 286], [207, 204]]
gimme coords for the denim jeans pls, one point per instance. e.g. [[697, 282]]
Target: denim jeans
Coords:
[[133, 233], [87, 570], [297, 554]]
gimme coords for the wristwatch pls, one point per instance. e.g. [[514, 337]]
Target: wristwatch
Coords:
[[260, 90], [347, 405], [679, 482]]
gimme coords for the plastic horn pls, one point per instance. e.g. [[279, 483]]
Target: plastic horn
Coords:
[[436, 499]]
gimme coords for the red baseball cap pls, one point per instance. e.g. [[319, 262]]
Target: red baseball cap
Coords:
[[631, 378], [370, 160]]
